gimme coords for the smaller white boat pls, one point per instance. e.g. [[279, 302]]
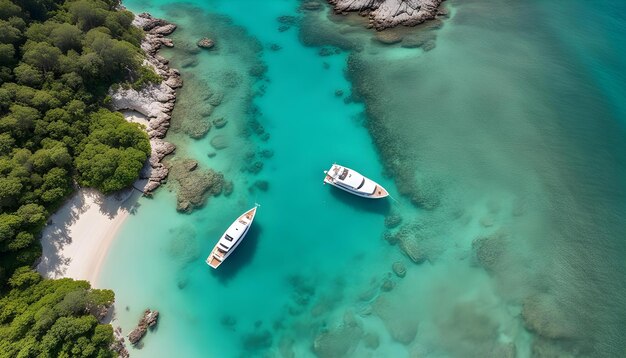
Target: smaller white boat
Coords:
[[353, 182], [231, 239]]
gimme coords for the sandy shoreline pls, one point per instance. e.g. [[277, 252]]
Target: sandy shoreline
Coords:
[[78, 236]]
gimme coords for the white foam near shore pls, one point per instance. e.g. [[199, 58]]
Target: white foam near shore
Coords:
[[78, 236]]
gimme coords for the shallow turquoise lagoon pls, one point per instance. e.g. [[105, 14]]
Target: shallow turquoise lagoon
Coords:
[[514, 123], [305, 233]]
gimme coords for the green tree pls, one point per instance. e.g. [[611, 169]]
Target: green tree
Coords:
[[28, 75], [53, 154], [40, 32], [6, 143], [8, 33], [42, 55], [7, 54], [67, 37], [113, 154], [9, 9], [88, 14]]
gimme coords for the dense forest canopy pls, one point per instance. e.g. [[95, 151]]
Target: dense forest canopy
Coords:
[[58, 58]]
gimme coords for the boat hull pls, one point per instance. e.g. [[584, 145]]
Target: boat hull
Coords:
[[378, 192], [217, 256]]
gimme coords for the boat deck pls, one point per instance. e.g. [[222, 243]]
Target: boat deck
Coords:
[[213, 261], [379, 192]]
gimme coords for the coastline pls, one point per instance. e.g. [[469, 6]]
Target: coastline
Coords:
[[78, 235]]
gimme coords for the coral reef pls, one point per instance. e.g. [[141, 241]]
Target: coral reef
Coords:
[[490, 249], [544, 315], [194, 186], [392, 221]]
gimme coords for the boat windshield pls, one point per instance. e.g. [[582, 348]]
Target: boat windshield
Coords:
[[362, 183], [344, 174], [228, 237]]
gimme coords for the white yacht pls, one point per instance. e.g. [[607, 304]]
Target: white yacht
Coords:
[[353, 182], [231, 239]]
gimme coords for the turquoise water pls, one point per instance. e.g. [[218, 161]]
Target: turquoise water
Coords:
[[510, 132]]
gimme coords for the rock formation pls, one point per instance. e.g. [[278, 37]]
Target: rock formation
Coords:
[[149, 319], [385, 14], [194, 185], [205, 42], [118, 345], [155, 101], [490, 249]]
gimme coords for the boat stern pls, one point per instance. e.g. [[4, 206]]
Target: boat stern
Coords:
[[213, 261]]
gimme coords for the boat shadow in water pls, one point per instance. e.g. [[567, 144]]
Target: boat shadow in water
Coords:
[[241, 257], [377, 206]]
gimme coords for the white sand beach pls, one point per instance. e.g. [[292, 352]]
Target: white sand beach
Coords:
[[78, 236]]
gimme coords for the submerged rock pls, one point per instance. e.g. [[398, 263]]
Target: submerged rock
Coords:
[[262, 185], [418, 40], [402, 326], [228, 188], [254, 167], [220, 122], [399, 269], [219, 142], [429, 45], [340, 341], [285, 347], [311, 5], [371, 340], [544, 315], [194, 186], [257, 340], [196, 128], [387, 285], [490, 249], [388, 37], [393, 220], [149, 319], [206, 43], [412, 249], [267, 153]]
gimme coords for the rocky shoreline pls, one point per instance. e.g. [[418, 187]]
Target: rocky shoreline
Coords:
[[154, 101], [384, 14]]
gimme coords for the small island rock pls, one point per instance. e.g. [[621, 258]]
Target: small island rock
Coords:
[[149, 319]]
